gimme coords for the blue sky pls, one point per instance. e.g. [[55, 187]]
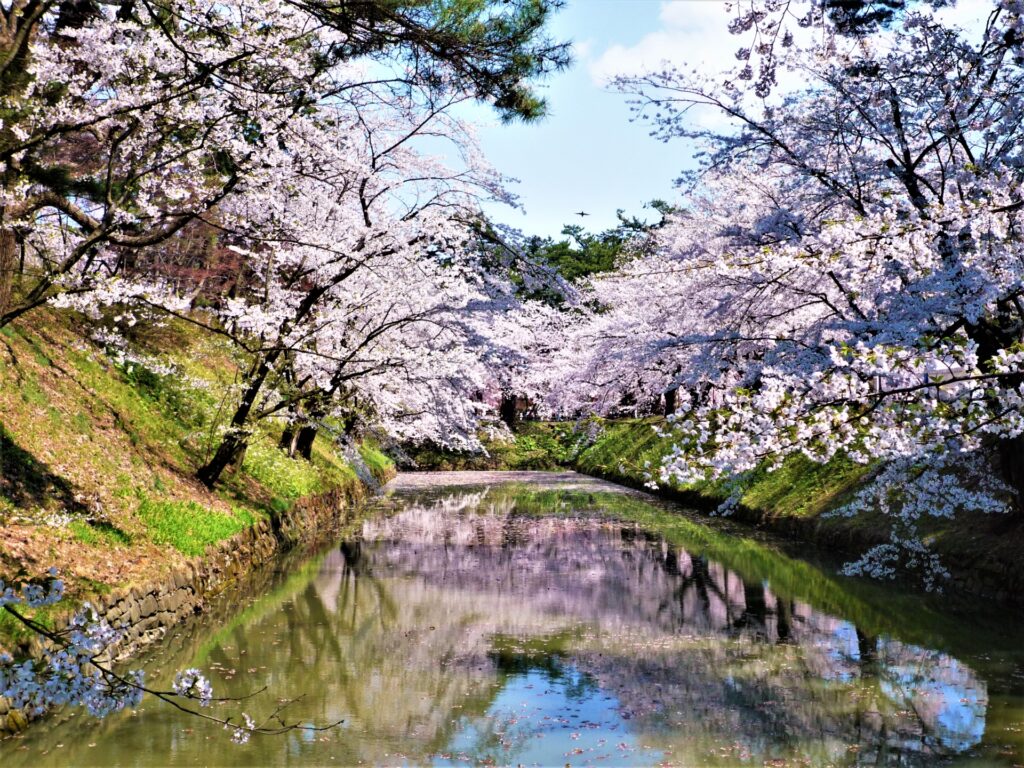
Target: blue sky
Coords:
[[587, 155]]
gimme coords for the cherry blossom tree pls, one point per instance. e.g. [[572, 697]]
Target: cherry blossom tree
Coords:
[[123, 122], [287, 128], [846, 276], [305, 135], [366, 293], [365, 272], [766, 29]]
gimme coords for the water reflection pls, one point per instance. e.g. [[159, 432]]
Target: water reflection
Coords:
[[686, 644], [493, 626]]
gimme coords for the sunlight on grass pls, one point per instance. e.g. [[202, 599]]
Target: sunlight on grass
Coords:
[[190, 527]]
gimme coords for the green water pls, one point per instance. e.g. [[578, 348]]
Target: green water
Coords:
[[556, 621]]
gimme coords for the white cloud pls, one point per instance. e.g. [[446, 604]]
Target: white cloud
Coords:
[[969, 15], [581, 49], [693, 33]]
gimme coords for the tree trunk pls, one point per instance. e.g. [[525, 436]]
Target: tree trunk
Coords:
[[8, 258], [229, 454], [670, 401], [232, 447], [784, 621], [304, 441], [867, 650], [236, 462], [756, 612], [287, 442], [507, 409], [991, 336], [1011, 460]]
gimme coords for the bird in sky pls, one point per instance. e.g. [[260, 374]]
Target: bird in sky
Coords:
[[581, 214]]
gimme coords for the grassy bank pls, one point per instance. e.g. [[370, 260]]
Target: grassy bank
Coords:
[[536, 446], [97, 456], [629, 451], [982, 551]]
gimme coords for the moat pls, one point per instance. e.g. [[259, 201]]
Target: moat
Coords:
[[550, 619]]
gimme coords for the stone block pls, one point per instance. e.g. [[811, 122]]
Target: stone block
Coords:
[[16, 721], [148, 605]]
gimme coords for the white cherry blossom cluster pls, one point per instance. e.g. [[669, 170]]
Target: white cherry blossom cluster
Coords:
[[191, 683], [845, 276], [910, 490], [68, 672]]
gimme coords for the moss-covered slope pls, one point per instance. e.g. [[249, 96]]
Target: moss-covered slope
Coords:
[[97, 457], [982, 551]]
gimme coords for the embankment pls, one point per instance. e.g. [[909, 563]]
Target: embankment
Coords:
[[982, 552]]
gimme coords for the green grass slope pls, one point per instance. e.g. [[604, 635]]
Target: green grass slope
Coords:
[[982, 551], [632, 450], [97, 457]]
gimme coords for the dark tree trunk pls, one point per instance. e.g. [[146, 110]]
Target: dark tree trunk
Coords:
[[1011, 460], [670, 401], [236, 463], [287, 442], [991, 336], [756, 612], [352, 551], [507, 410], [671, 561], [232, 447], [304, 441], [867, 650], [784, 620], [8, 258], [229, 454]]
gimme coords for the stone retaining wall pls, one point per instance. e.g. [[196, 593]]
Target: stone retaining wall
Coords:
[[149, 610]]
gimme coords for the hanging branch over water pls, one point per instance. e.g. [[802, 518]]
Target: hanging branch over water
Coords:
[[75, 669]]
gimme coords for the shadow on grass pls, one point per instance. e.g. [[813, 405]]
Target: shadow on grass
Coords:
[[27, 483]]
